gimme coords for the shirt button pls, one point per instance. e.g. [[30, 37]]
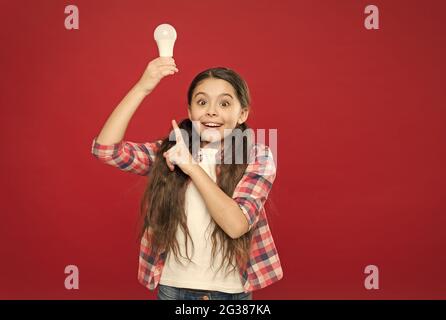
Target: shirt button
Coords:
[[205, 298]]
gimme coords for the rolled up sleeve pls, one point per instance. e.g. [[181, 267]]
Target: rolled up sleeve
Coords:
[[127, 156]]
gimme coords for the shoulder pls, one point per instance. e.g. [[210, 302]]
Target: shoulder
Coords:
[[261, 159]]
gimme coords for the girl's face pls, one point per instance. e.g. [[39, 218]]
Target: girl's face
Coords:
[[214, 102]]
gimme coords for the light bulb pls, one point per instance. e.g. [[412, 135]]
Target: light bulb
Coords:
[[165, 36]]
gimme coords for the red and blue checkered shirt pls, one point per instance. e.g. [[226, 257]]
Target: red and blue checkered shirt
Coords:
[[263, 267]]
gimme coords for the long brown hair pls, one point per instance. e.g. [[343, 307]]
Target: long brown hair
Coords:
[[162, 205]]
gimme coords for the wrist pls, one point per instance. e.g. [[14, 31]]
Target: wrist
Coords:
[[141, 89], [193, 170]]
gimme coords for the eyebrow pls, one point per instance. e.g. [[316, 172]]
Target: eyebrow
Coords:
[[223, 94]]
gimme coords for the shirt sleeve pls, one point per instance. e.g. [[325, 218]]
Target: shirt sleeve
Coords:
[[127, 156], [252, 190]]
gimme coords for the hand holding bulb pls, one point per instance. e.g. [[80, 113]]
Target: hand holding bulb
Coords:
[[156, 70], [165, 36]]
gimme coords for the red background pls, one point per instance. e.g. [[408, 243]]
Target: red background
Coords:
[[361, 126]]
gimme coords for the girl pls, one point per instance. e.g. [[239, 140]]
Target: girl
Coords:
[[196, 201]]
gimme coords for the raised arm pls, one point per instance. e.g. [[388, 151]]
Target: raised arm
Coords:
[[116, 124], [109, 145]]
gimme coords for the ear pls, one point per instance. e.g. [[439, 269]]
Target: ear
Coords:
[[243, 115], [188, 113]]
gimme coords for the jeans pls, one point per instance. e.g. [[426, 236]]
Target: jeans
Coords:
[[173, 293]]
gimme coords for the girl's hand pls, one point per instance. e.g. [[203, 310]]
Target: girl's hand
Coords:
[[179, 154], [155, 71]]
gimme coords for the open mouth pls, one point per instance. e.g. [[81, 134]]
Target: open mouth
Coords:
[[211, 124]]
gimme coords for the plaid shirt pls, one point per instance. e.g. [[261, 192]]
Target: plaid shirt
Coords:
[[263, 267]]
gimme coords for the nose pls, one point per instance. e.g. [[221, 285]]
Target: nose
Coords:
[[211, 110]]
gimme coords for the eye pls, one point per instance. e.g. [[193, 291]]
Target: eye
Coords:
[[225, 104], [199, 102]]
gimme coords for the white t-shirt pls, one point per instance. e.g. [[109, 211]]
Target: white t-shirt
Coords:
[[200, 275]]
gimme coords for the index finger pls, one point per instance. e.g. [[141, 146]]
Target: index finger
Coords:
[[177, 131]]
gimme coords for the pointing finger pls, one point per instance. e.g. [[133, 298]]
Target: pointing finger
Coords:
[[177, 130]]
